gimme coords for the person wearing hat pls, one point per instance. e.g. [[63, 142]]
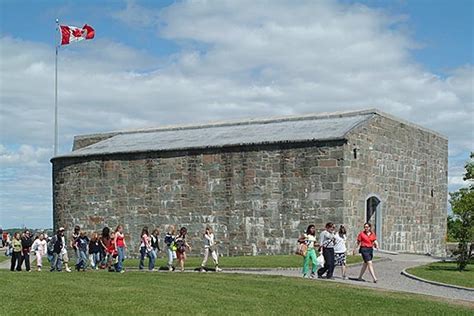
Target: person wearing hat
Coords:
[[58, 243]]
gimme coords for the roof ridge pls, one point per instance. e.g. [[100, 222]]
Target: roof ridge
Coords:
[[250, 121]]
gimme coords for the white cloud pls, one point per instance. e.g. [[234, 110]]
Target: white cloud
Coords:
[[136, 16], [25, 155], [236, 60]]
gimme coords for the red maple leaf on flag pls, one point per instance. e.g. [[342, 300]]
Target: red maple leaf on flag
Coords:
[[77, 32]]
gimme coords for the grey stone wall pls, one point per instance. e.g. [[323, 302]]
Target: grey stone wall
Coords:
[[407, 168], [257, 199]]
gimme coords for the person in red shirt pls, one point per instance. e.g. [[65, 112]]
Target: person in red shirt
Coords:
[[367, 241], [120, 246]]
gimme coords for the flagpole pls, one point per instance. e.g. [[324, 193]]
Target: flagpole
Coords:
[[56, 94]]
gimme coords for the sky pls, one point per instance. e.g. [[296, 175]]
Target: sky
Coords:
[[155, 63]]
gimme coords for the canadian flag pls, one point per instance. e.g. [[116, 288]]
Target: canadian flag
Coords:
[[71, 34]]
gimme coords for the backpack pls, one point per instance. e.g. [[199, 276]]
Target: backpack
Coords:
[[180, 245], [168, 240], [51, 244]]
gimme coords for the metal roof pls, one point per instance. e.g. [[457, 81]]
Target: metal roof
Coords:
[[283, 130]]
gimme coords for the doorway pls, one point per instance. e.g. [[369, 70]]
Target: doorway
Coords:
[[373, 215]]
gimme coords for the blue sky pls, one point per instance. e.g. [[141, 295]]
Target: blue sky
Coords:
[[163, 62]]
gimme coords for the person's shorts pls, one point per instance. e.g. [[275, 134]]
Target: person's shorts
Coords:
[[64, 257], [181, 255], [340, 259], [367, 253]]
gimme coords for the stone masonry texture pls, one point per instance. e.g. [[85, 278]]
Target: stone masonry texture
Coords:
[[260, 198]]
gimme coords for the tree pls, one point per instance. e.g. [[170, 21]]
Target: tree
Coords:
[[462, 204], [454, 225]]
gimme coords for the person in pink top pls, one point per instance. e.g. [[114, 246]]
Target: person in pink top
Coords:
[[120, 246]]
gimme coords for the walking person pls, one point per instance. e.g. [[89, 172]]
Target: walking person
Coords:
[[26, 243], [40, 248], [155, 248], [170, 246], [113, 254], [340, 250], [105, 243], [5, 238], [367, 241], [210, 246], [95, 250], [181, 246], [82, 245], [8, 245], [120, 245], [326, 242], [145, 247], [16, 252], [59, 250], [73, 244], [309, 238]]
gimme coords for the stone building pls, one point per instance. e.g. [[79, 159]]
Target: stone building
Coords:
[[259, 183]]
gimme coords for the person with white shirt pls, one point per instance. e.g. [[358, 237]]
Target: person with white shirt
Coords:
[[340, 250], [326, 242], [209, 247], [40, 248]]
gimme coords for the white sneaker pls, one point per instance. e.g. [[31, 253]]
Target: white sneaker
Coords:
[[39, 269], [68, 270], [218, 270]]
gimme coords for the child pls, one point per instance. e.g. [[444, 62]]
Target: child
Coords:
[[94, 251], [181, 246], [170, 246], [16, 252], [209, 247], [40, 248], [340, 250], [82, 243]]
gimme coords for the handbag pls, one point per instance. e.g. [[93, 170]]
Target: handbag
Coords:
[[320, 260], [302, 249]]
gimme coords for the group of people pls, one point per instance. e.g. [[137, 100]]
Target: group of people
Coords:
[[332, 247], [107, 250], [19, 248], [177, 246], [104, 251]]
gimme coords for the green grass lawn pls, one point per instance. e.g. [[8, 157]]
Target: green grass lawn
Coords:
[[445, 272], [4, 258], [135, 293], [277, 261]]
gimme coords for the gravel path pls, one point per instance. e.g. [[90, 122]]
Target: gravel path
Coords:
[[389, 277]]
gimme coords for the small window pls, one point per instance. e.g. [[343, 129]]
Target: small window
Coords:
[[432, 193], [355, 153]]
